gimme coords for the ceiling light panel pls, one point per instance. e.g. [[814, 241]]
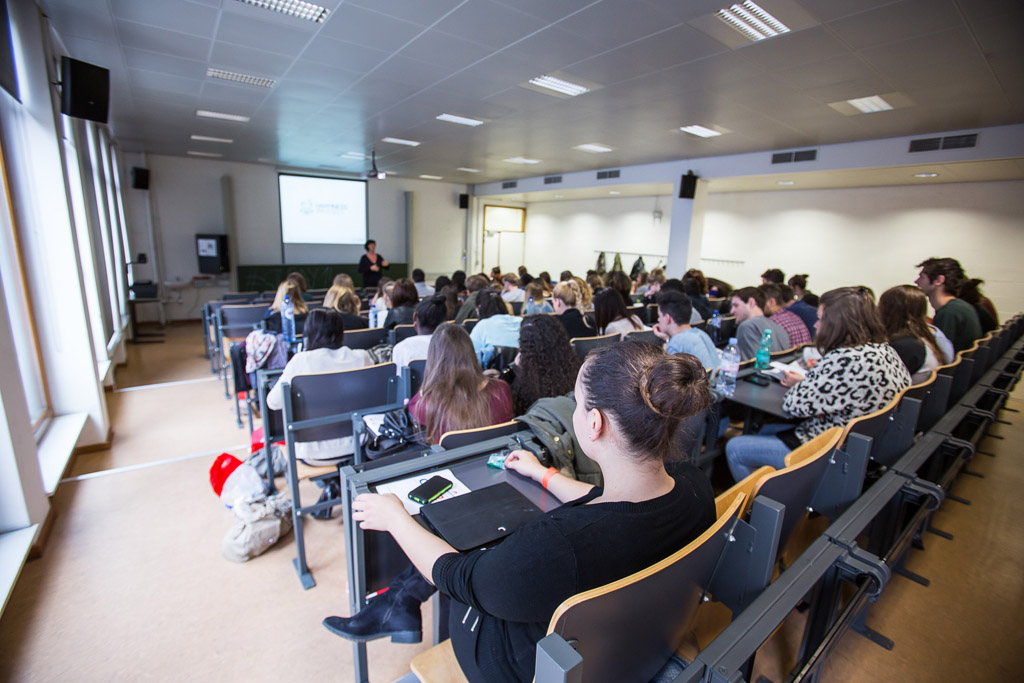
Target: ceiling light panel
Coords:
[[204, 154], [206, 138], [431, 177], [461, 120], [400, 141], [594, 148], [700, 131], [221, 116], [870, 105], [559, 85], [752, 20], [240, 78], [522, 160], [468, 170], [293, 8]]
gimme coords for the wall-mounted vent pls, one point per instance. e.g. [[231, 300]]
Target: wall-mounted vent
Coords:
[[789, 157], [925, 145], [948, 142], [960, 141], [510, 185], [552, 179], [605, 175]]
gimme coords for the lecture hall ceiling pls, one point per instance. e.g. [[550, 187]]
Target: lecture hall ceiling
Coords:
[[388, 68]]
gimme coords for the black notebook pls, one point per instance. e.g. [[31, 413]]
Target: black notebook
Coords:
[[480, 517]]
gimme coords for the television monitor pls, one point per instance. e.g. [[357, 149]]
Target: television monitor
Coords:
[[212, 253]]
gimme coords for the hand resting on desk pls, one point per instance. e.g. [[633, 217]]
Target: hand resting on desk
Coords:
[[790, 378], [564, 488]]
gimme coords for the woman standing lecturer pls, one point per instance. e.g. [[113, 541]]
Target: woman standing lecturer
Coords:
[[372, 264], [630, 399]]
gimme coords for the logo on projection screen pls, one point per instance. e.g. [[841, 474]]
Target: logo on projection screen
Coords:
[[310, 207]]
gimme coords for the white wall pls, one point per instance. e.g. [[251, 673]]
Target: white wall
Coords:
[[565, 234], [872, 236], [186, 196]]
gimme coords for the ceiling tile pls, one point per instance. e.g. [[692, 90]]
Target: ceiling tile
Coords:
[[166, 82], [489, 23], [173, 15], [248, 60], [270, 36], [898, 21], [441, 49], [176, 66], [610, 67], [552, 48], [410, 72], [344, 55], [368, 28], [90, 21], [545, 10], [793, 49], [335, 80], [227, 91], [826, 10], [615, 22], [415, 11], [948, 57], [161, 40], [673, 46]]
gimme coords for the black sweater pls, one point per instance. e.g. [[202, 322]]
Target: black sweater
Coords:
[[504, 597]]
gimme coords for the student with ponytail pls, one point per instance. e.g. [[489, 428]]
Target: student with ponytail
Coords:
[[631, 399]]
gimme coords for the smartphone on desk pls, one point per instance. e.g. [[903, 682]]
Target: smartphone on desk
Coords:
[[759, 380], [430, 490]]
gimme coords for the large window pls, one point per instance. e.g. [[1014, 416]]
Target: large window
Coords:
[[20, 313]]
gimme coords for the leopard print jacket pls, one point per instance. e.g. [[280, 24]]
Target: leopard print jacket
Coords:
[[848, 382]]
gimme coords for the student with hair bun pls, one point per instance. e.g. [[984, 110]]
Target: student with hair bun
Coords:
[[630, 401]]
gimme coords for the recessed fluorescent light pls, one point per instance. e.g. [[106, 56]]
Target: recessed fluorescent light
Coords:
[[558, 85], [700, 131], [559, 196], [926, 175], [357, 156], [293, 8], [870, 105], [468, 170], [203, 154], [205, 138], [614, 192], [430, 177], [462, 120], [400, 141], [240, 78], [593, 147], [752, 21], [787, 182], [222, 116], [522, 160]]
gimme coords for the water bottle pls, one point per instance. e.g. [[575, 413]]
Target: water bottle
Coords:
[[288, 319], [728, 368], [715, 327], [764, 351]]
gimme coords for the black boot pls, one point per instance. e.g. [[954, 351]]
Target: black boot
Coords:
[[395, 613]]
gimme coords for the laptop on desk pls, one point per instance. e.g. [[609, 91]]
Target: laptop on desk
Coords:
[[480, 517]]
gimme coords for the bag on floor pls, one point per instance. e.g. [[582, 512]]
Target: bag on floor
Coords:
[[258, 461], [234, 480], [261, 522]]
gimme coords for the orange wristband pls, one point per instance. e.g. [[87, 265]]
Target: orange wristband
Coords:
[[547, 476]]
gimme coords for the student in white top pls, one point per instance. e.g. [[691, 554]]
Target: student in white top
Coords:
[[429, 313], [611, 314], [324, 332]]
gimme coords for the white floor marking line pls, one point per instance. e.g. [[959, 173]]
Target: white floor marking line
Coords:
[[129, 468], [168, 384]]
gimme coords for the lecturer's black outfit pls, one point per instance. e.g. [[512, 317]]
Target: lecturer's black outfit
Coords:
[[371, 278]]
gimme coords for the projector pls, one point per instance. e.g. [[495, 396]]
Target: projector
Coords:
[[375, 175]]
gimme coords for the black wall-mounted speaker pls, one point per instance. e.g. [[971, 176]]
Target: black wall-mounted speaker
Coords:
[[463, 201], [84, 90], [688, 186], [140, 178]]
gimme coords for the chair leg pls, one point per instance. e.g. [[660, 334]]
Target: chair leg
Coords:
[[305, 576]]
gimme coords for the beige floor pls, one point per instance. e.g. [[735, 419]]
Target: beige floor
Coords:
[[132, 586]]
